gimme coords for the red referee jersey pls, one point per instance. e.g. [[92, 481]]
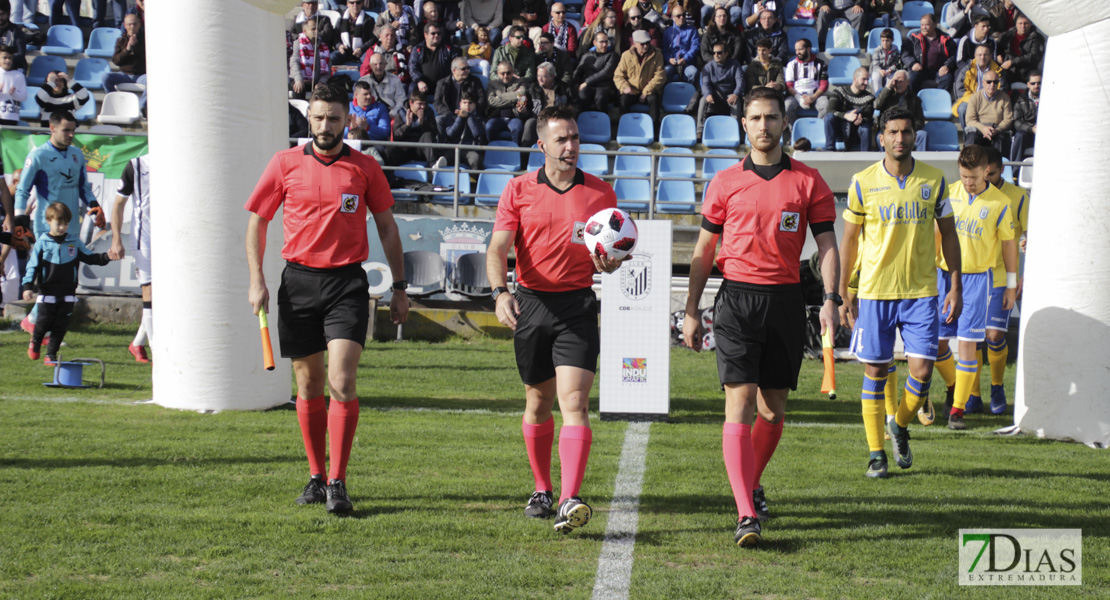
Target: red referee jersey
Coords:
[[550, 253], [326, 199], [763, 222]]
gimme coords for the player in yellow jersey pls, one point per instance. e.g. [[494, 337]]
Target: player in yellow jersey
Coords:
[[986, 230], [896, 202]]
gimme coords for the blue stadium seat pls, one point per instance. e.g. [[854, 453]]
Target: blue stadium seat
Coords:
[[594, 164], [789, 10], [87, 112], [943, 17], [676, 96], [635, 128], [63, 40], [491, 184], [633, 195], [943, 136], [502, 160], [419, 174], [721, 131], [721, 160], [40, 67], [482, 78], [913, 10], [678, 130], [796, 33], [841, 69], [1008, 173], [594, 127], [634, 163], [681, 192], [678, 162], [447, 179], [936, 104], [812, 129], [90, 72], [829, 43], [874, 38], [535, 159], [102, 42], [29, 109]]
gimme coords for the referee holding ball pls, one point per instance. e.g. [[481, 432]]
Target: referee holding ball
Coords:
[[554, 311], [324, 302], [759, 209]]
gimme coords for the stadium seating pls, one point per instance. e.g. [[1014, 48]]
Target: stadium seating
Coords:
[[63, 40], [633, 195], [841, 69], [469, 275], [830, 46], [29, 110], [594, 164], [632, 164], [874, 38], [637, 129], [90, 72], [501, 160], [936, 104], [120, 108], [678, 162], [721, 160], [490, 185], [102, 42], [87, 112], [913, 10], [677, 96], [943, 136], [678, 130], [789, 10], [721, 131], [332, 15], [425, 271], [812, 129], [301, 105], [796, 33], [409, 172], [679, 192], [482, 78], [447, 179], [594, 127], [943, 17], [535, 159], [41, 66]]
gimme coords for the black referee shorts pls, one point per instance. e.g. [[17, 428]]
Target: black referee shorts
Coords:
[[316, 306], [760, 334], [555, 329]]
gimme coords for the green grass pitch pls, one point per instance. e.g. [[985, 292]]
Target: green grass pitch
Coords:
[[101, 497]]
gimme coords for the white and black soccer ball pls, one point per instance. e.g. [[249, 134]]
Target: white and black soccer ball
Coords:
[[611, 232]]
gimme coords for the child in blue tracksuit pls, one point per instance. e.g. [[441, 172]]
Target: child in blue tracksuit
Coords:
[[53, 266]]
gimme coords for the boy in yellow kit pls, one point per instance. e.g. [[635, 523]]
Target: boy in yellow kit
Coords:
[[985, 227]]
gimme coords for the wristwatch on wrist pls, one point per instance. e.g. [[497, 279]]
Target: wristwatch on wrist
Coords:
[[835, 297], [497, 291], [401, 285]]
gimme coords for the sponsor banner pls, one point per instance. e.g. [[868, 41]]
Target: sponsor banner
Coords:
[[635, 328], [1023, 557]]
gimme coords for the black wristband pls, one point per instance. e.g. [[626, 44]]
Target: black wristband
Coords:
[[401, 285]]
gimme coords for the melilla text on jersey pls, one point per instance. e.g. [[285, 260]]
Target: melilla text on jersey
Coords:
[[903, 213], [969, 227]]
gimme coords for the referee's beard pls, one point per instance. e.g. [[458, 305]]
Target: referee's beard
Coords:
[[326, 141]]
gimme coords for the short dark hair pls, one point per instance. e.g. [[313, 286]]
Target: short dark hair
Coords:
[[1032, 74], [886, 34], [328, 93], [468, 95], [515, 29], [361, 85], [58, 212], [555, 112], [973, 157], [6, 6], [418, 96], [805, 42], [979, 18], [994, 157], [6, 48], [58, 116], [894, 114], [547, 36], [764, 42], [765, 93], [803, 144]]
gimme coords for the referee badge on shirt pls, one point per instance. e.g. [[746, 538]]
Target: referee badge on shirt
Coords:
[[789, 221], [348, 203], [576, 233]]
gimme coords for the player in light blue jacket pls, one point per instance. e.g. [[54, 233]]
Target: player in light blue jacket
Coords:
[[56, 171]]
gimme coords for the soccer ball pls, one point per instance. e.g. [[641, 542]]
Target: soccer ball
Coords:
[[610, 232]]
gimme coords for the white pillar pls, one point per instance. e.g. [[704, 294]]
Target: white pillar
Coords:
[[1063, 364], [217, 80]]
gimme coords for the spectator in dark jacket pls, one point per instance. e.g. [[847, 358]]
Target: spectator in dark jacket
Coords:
[[11, 35], [930, 56], [517, 53], [1025, 117], [769, 27], [898, 93], [547, 90], [450, 90], [752, 8], [978, 35], [398, 16], [722, 30], [414, 125], [765, 70], [595, 76], [507, 96], [722, 86], [563, 61], [563, 32], [636, 22], [129, 56], [430, 61], [467, 128], [1021, 50], [848, 119], [355, 34], [310, 10]]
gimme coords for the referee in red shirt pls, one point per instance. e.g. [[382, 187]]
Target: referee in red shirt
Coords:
[[554, 312], [323, 301], [760, 209]]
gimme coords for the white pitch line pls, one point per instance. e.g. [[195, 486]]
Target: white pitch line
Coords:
[[614, 565]]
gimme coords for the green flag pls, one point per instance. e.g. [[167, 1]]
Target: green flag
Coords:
[[106, 154]]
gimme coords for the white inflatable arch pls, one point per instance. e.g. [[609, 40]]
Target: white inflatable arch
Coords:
[[1063, 377]]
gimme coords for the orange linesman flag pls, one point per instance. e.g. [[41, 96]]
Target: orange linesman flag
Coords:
[[828, 382], [267, 348]]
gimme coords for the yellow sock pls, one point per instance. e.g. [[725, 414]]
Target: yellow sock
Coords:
[[977, 385], [890, 390], [946, 365], [996, 355], [965, 376], [873, 422], [912, 399]]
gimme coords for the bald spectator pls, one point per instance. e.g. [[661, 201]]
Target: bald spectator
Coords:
[[849, 116], [807, 81], [765, 70], [355, 34], [400, 18], [1021, 49], [680, 48], [518, 54], [990, 116], [595, 76], [722, 87], [721, 30], [563, 33], [396, 60], [450, 90], [562, 60], [1026, 105], [930, 56], [508, 100], [636, 22], [885, 60], [652, 10], [430, 15], [546, 91], [385, 86], [768, 26], [898, 93], [640, 76], [978, 35], [130, 57], [828, 11], [310, 63], [483, 13], [969, 80], [430, 61]]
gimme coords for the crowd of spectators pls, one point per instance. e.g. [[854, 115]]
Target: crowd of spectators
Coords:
[[485, 68]]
